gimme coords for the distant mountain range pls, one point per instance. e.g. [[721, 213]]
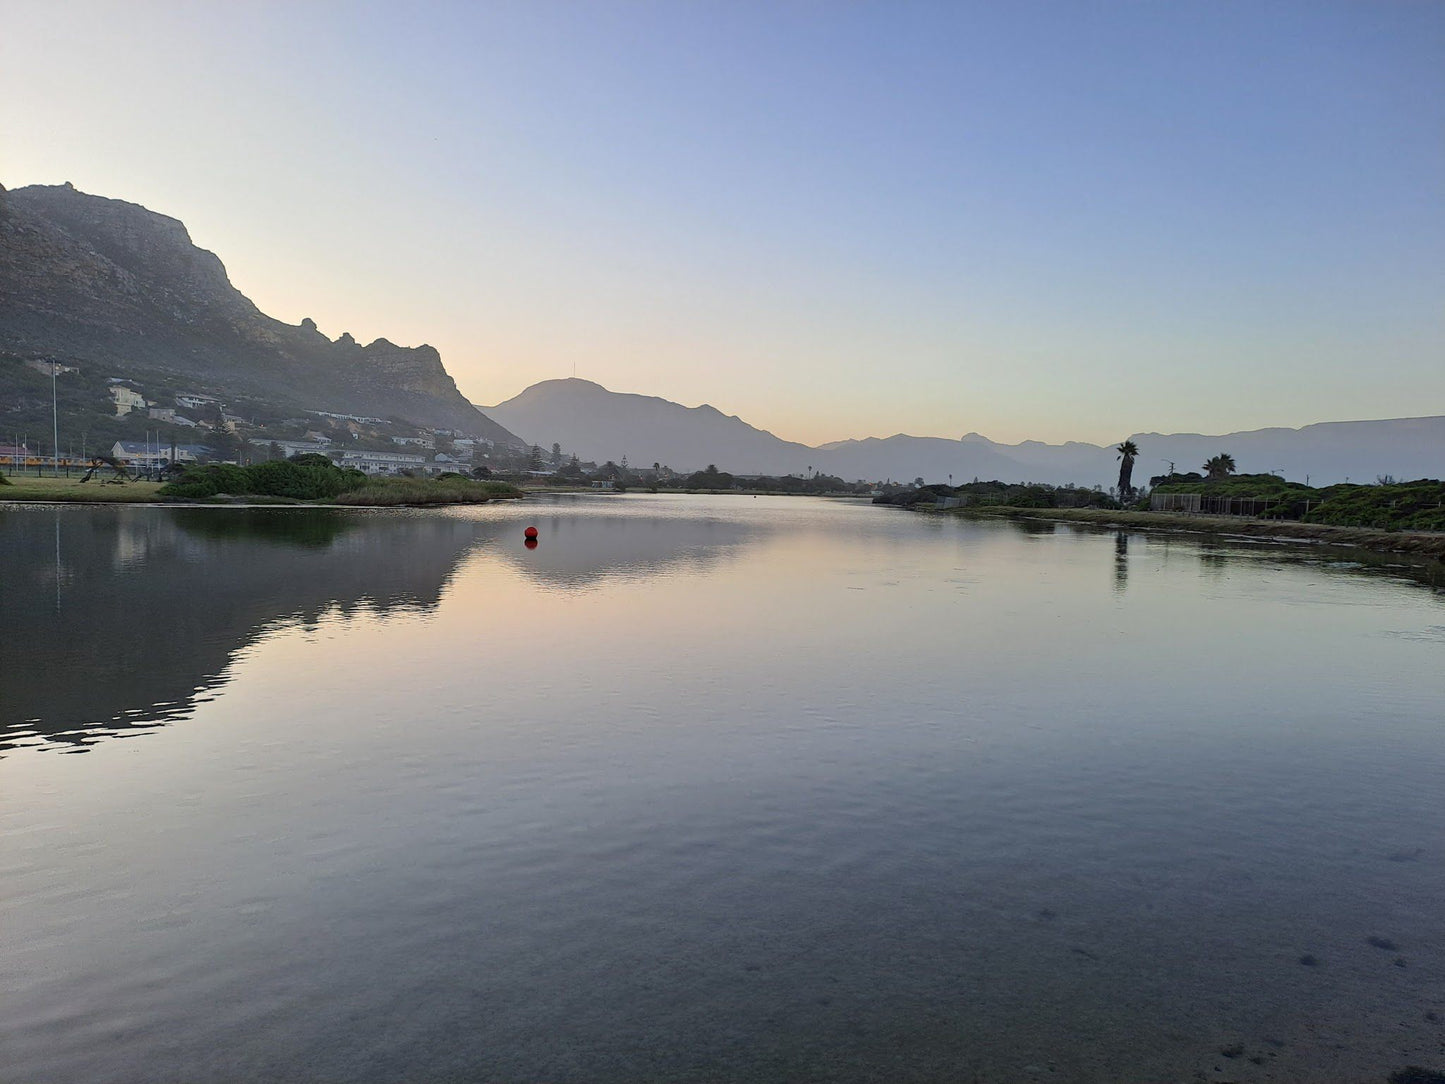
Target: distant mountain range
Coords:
[[100, 282], [599, 424], [114, 287]]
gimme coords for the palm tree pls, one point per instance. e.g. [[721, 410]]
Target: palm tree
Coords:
[[1128, 452], [1219, 466]]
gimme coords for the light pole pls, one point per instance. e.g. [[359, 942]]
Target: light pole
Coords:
[[54, 424]]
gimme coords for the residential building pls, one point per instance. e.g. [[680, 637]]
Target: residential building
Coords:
[[138, 453], [44, 367], [126, 399], [382, 462], [347, 417]]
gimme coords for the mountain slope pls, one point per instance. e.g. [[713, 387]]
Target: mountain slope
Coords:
[[100, 281], [599, 424]]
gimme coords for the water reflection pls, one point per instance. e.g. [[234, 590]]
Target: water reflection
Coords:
[[1121, 560], [581, 549], [138, 612], [716, 789], [128, 617]]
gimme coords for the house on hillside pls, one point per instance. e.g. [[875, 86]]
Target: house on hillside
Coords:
[[45, 367], [347, 417], [126, 399], [168, 414], [194, 401]]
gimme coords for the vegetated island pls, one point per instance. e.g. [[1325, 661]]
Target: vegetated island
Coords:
[[302, 479], [1389, 516]]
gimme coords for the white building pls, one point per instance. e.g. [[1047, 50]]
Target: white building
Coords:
[[140, 454], [347, 417], [126, 399], [45, 368], [382, 462]]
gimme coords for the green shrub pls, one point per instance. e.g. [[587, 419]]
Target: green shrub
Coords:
[[307, 477], [303, 481], [398, 490], [1403, 506]]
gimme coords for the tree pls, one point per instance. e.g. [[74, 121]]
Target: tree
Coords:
[[1128, 452], [1219, 466], [534, 458], [711, 478], [556, 454]]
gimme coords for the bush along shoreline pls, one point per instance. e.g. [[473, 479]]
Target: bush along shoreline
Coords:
[[317, 479], [1421, 544]]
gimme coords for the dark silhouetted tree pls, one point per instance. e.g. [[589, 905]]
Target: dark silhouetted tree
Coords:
[[1128, 452], [1219, 466]]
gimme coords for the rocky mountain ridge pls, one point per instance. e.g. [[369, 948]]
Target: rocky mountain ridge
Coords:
[[96, 281]]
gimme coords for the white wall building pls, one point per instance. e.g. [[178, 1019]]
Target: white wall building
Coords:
[[382, 462], [126, 399]]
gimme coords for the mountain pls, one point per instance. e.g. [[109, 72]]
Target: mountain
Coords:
[[100, 282], [599, 424], [1327, 452]]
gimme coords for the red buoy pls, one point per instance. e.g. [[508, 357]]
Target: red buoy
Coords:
[[530, 532], [530, 543]]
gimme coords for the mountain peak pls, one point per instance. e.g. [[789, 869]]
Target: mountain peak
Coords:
[[104, 282]]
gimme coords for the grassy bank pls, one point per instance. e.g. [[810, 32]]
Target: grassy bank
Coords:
[[1417, 543], [384, 492], [372, 492], [22, 488]]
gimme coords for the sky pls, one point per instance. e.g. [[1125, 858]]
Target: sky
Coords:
[[1052, 221]]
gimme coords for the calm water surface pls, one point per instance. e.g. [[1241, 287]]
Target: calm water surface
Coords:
[[703, 789]]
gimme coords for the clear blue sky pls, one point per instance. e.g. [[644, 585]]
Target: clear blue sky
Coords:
[[834, 219]]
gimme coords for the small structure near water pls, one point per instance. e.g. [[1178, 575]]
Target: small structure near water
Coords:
[[1210, 506]]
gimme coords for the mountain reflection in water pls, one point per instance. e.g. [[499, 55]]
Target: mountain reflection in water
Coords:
[[128, 617]]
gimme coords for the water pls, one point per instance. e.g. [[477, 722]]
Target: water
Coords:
[[707, 789]]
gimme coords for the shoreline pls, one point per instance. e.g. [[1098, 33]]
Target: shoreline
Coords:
[[1420, 544]]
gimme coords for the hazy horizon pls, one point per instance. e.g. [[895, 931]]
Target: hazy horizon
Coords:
[[1040, 222]]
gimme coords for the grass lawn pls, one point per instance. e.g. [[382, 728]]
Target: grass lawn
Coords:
[[31, 488]]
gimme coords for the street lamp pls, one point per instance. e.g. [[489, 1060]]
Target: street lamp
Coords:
[[54, 423]]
